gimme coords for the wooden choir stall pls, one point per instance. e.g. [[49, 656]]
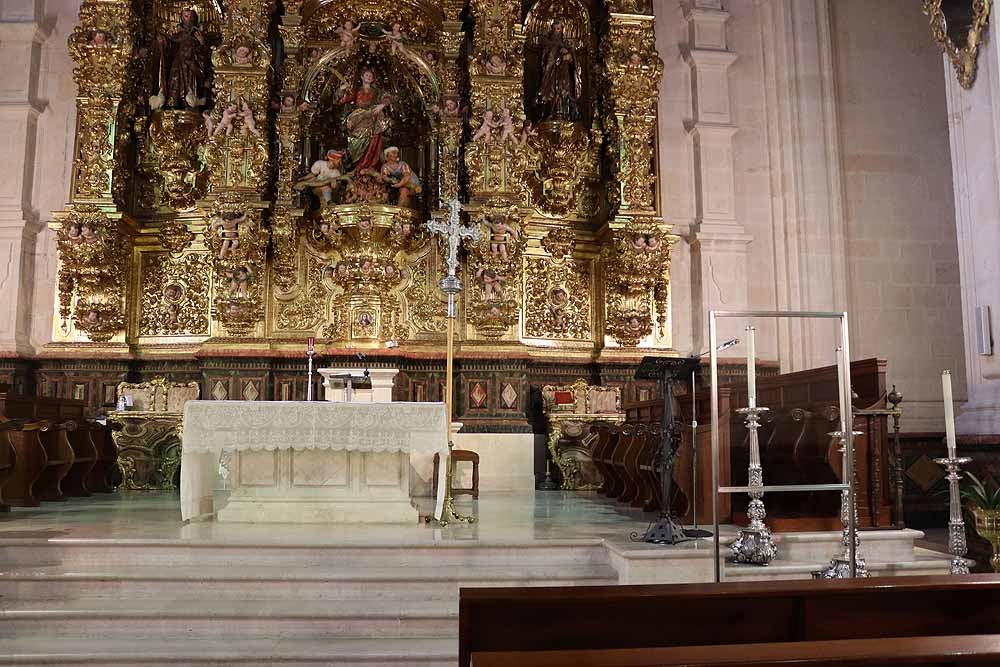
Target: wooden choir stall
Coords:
[[794, 443], [50, 450]]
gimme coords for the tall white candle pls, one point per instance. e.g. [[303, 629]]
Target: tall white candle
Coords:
[[751, 369], [949, 413]]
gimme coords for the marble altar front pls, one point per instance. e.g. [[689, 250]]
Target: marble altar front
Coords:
[[307, 462]]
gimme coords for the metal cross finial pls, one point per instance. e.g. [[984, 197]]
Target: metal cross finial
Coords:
[[454, 231]]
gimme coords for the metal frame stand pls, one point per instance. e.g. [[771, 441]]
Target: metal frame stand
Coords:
[[840, 566], [844, 371]]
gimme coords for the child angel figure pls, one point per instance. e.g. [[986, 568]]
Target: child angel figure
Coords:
[[348, 34], [485, 130], [507, 123], [395, 35]]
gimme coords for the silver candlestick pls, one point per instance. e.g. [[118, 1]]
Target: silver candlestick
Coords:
[[840, 566], [956, 525], [754, 544]]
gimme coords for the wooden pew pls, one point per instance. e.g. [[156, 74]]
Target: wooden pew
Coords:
[[947, 651], [99, 479], [44, 452], [8, 456], [616, 617], [29, 463]]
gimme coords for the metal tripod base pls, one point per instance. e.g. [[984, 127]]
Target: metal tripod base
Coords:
[[840, 568], [448, 514], [664, 531], [754, 546], [548, 484]]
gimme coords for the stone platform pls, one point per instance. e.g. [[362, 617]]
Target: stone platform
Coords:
[[119, 580]]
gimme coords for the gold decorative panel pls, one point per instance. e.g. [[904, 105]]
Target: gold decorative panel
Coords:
[[224, 188]]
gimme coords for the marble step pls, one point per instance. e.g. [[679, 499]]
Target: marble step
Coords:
[[884, 545], [87, 552], [282, 583], [920, 562], [208, 618], [155, 650]]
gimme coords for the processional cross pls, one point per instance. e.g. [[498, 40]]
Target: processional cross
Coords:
[[454, 231]]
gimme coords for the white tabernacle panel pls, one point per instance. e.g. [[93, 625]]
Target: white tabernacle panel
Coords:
[[307, 462]]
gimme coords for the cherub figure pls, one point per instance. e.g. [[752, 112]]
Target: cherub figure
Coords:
[[226, 122], [249, 126], [492, 283], [485, 130], [527, 132], [639, 242], [88, 233], [99, 38], [507, 123], [73, 233], [239, 282], [243, 55], [500, 234], [287, 104], [348, 34], [395, 36], [209, 123], [495, 65], [652, 243], [227, 226]]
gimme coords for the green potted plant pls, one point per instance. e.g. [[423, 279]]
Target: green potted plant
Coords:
[[984, 505]]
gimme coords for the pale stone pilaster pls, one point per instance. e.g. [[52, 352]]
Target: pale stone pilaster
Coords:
[[974, 129], [22, 38], [719, 243]]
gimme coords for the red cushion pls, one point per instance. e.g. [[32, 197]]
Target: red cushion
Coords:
[[564, 397]]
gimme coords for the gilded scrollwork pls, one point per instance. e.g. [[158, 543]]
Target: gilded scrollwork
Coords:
[[236, 239], [636, 263], [633, 69], [175, 140], [175, 237], [94, 258], [495, 268], [175, 295], [960, 34], [558, 291], [305, 311]]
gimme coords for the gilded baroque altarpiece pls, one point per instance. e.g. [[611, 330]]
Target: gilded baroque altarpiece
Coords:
[[249, 173]]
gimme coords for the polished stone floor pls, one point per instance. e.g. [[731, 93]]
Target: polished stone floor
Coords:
[[502, 519]]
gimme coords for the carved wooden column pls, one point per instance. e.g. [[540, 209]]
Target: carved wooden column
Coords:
[[93, 238], [635, 242], [239, 165], [496, 169]]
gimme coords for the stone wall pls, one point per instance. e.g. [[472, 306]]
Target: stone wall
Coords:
[[838, 165]]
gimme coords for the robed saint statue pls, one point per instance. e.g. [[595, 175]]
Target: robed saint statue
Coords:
[[561, 86]]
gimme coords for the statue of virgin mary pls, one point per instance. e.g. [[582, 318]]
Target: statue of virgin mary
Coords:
[[365, 122]]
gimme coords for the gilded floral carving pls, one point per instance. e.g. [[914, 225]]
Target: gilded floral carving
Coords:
[[174, 295]]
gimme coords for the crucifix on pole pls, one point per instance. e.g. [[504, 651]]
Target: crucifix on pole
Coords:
[[454, 231]]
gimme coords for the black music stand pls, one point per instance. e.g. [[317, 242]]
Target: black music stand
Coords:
[[667, 371]]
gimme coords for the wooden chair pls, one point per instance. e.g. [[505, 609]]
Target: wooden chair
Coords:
[[457, 456]]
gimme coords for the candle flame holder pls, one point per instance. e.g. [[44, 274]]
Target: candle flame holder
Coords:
[[957, 544], [754, 544]]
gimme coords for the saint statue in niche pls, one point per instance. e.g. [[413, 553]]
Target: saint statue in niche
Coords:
[[365, 122], [184, 66], [561, 85]]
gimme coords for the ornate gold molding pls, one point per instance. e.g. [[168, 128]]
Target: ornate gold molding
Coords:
[[946, 30]]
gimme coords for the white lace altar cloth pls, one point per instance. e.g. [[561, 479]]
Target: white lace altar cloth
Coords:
[[211, 427]]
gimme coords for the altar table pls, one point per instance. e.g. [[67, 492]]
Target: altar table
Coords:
[[307, 462]]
